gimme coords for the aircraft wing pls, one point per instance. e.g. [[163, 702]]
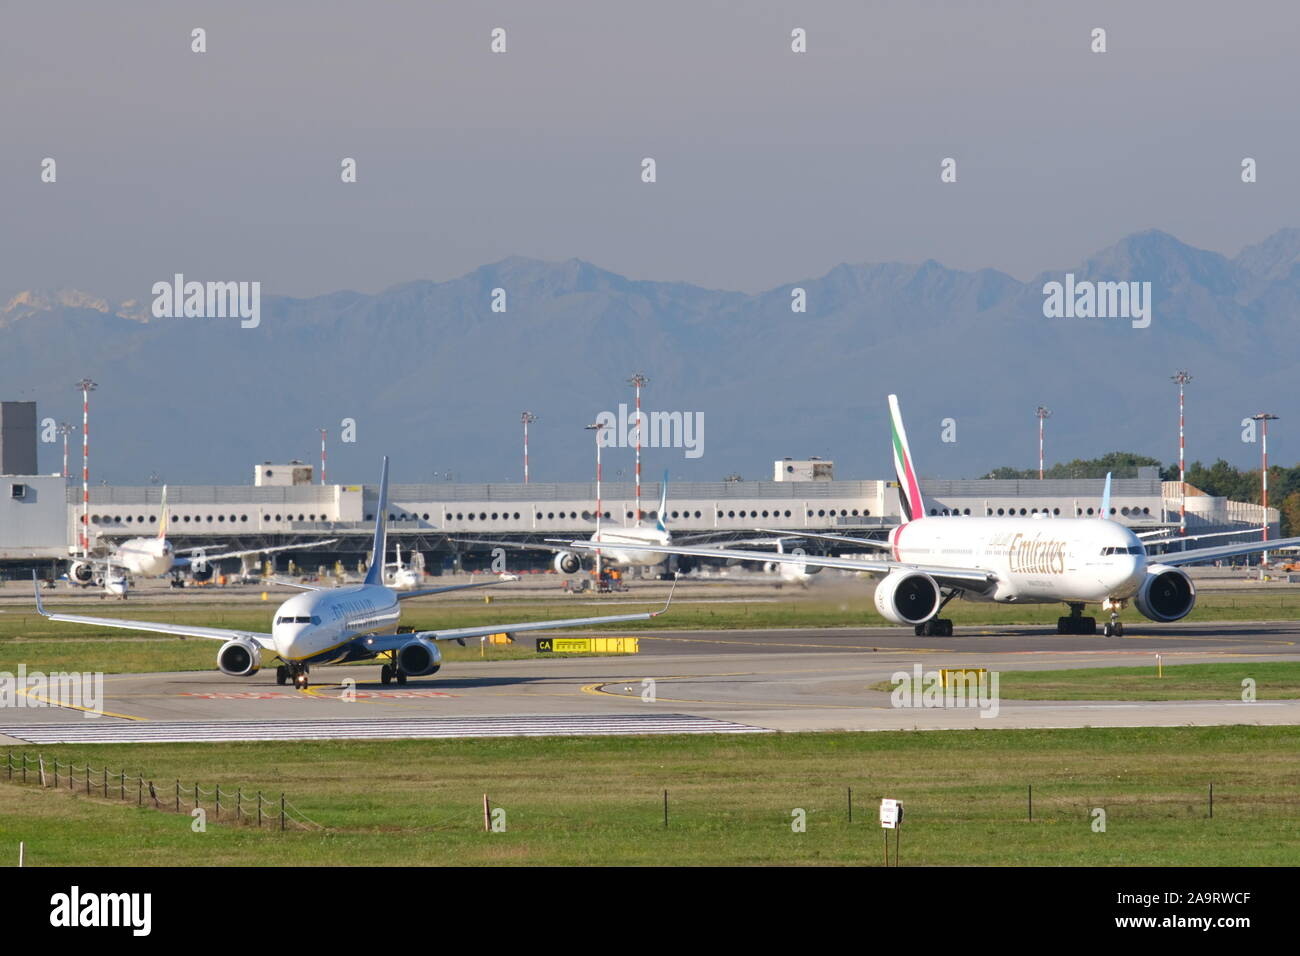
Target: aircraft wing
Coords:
[[185, 562], [1176, 558], [503, 579], [391, 642], [523, 546], [969, 579], [156, 627], [843, 539], [1173, 537]]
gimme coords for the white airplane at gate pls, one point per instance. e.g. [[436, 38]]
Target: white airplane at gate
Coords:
[[152, 557], [341, 625], [1042, 560]]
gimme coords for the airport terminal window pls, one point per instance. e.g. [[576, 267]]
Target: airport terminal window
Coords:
[[968, 511], [999, 511], [933, 511], [516, 516], [821, 513], [209, 519], [855, 512], [1089, 511], [1056, 511], [494, 516], [482, 516], [153, 518], [731, 514], [697, 514]]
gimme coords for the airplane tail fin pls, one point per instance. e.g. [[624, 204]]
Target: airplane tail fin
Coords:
[[663, 503], [910, 501], [375, 573], [162, 518], [1105, 499]]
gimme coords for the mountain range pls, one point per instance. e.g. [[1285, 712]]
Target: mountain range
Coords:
[[435, 378]]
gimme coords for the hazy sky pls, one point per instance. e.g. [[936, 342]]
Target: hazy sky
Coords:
[[772, 166]]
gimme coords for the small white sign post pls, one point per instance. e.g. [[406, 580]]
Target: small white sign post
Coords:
[[891, 818]]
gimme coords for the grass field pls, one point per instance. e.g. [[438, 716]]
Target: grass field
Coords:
[[28, 639], [1273, 681], [600, 800]]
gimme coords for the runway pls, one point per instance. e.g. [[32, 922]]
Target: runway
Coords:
[[682, 682]]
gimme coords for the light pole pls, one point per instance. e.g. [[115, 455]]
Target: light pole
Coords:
[[86, 386], [1182, 378], [527, 418], [1265, 418], [597, 427], [1042, 413], [638, 381], [322, 456]]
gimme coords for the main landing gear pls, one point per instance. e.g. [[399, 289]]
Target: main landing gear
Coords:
[[1076, 623], [390, 671], [938, 626], [295, 673]]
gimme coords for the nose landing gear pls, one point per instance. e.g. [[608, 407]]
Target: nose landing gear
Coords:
[[297, 673], [390, 672]]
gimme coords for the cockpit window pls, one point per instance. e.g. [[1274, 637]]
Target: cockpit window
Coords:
[[298, 620], [1131, 549]]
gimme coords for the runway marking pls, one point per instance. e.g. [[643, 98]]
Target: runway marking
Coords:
[[575, 725], [599, 690]]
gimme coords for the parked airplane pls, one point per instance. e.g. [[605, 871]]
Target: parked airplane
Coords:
[[1040, 560], [403, 577], [620, 547], [152, 557], [341, 625]]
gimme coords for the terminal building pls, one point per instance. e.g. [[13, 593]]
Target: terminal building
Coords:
[[447, 523]]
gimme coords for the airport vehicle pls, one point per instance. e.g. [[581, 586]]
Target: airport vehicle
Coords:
[[1011, 560], [152, 557], [342, 625]]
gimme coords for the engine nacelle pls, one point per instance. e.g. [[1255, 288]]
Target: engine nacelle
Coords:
[[907, 597], [1166, 595], [200, 568], [566, 562], [419, 658], [81, 572], [239, 658]]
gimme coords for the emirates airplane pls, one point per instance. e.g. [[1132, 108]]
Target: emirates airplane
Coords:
[[1041, 560], [341, 625]]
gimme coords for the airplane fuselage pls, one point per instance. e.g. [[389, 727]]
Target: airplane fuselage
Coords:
[[618, 545], [1043, 560], [321, 627]]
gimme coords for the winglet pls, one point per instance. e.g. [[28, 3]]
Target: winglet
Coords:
[[1105, 498], [669, 603], [36, 586], [375, 573]]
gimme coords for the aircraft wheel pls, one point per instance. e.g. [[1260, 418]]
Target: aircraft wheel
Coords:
[[282, 675], [1108, 630], [1119, 630], [921, 629], [401, 678], [386, 674]]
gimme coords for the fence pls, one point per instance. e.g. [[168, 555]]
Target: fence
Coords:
[[224, 806]]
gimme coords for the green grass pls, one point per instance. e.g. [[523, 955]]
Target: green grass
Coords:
[[1273, 681], [599, 800], [28, 639]]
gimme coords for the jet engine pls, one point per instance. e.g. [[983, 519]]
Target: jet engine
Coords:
[[907, 597], [81, 572], [566, 562], [1166, 595], [419, 658], [239, 658], [200, 568]]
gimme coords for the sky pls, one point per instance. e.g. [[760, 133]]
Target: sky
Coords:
[[771, 166]]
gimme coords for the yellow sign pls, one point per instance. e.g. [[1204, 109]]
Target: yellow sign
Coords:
[[588, 645], [962, 675]]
